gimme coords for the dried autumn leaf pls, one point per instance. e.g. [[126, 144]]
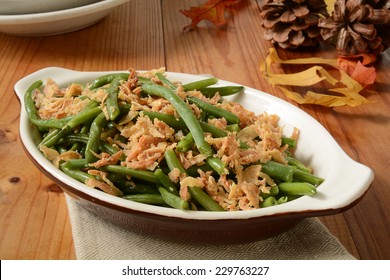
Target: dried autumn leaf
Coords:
[[357, 69], [364, 58], [364, 75], [212, 10], [349, 93]]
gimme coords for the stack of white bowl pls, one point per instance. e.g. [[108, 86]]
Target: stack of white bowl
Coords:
[[20, 7], [51, 17]]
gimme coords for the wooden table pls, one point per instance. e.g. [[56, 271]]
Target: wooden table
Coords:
[[146, 34]]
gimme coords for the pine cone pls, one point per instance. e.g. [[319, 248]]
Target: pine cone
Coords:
[[358, 26], [292, 23]]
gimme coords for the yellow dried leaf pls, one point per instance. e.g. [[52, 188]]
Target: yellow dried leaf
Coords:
[[307, 77], [349, 92], [317, 98]]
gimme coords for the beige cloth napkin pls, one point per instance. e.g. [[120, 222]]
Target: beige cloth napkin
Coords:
[[97, 239]]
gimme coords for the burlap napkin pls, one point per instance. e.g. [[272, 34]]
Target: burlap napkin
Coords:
[[97, 239]]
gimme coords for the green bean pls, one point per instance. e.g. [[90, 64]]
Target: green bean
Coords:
[[150, 198], [75, 138], [49, 136], [89, 113], [112, 99], [289, 141], [166, 182], [185, 144], [51, 123], [222, 91], [107, 79], [215, 131], [297, 188], [164, 80], [29, 104], [269, 201], [274, 190], [282, 199], [168, 119], [294, 162], [28, 99], [173, 200], [82, 117], [217, 165], [61, 149], [214, 110], [32, 111], [130, 187], [233, 127], [204, 199], [184, 112], [303, 176], [203, 116], [143, 175], [76, 173], [200, 84], [78, 163], [144, 80], [172, 161], [95, 132], [278, 171], [78, 145]]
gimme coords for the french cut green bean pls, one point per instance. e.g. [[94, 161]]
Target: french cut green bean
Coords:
[[204, 199], [168, 119], [173, 200], [269, 201], [297, 188], [147, 198], [279, 171], [215, 131], [76, 163], [214, 110], [217, 164], [144, 175], [173, 162], [222, 91], [197, 85], [303, 176], [294, 162], [107, 79], [77, 174], [112, 99], [166, 182], [185, 144], [164, 80], [93, 143], [289, 141]]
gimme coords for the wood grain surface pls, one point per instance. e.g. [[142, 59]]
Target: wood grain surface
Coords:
[[146, 34]]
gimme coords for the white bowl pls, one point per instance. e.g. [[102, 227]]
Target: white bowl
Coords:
[[19, 7], [57, 22], [346, 181]]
